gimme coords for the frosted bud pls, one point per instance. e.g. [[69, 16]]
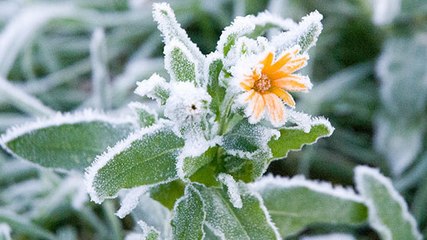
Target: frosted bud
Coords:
[[155, 88], [187, 103]]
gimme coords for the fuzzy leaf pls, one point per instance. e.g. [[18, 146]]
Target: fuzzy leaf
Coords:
[[191, 165], [305, 34], [69, 141], [215, 90], [180, 63], [189, 216], [294, 138], [295, 203], [245, 170], [249, 141], [146, 157], [251, 221], [388, 212]]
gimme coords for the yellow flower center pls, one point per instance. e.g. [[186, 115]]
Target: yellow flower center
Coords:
[[263, 84]]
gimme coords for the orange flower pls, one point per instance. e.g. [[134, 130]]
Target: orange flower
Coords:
[[268, 84]]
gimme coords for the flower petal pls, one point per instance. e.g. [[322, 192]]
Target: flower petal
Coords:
[[267, 61], [285, 96], [275, 109], [255, 108], [291, 83]]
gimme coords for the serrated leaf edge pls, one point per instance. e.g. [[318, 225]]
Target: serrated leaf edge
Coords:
[[376, 223]]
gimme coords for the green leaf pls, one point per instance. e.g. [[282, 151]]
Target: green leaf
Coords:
[[388, 211], [149, 232], [168, 193], [189, 215], [69, 141], [251, 221], [191, 165], [146, 116], [296, 203], [245, 170], [147, 157], [180, 63], [217, 92], [249, 141], [294, 138]]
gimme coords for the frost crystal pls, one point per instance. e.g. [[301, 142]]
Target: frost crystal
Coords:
[[155, 88], [232, 189], [130, 201]]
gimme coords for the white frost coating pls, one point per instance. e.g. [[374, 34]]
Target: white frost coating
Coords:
[[245, 25], [271, 181], [384, 11], [146, 230], [151, 86], [170, 28], [87, 115], [169, 47], [110, 153], [134, 236], [376, 223], [215, 231], [333, 236], [187, 102], [310, 24], [210, 58], [5, 231], [130, 201], [232, 189]]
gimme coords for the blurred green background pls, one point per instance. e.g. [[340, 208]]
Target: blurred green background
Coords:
[[369, 70]]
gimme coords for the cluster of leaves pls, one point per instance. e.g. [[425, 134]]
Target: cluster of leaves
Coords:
[[401, 146]]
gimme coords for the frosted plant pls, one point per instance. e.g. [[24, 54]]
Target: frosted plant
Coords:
[[192, 167]]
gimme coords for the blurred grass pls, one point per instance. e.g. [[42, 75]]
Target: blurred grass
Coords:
[[358, 84]]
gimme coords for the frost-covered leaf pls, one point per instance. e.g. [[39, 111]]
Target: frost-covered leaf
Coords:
[[168, 193], [187, 166], [130, 200], [294, 138], [403, 74], [388, 211], [252, 26], [66, 141], [5, 231], [232, 189], [400, 140], [146, 116], [249, 141], [189, 215], [251, 221], [305, 34], [155, 88], [170, 28], [296, 203], [180, 63], [213, 70], [146, 157], [148, 232], [246, 170]]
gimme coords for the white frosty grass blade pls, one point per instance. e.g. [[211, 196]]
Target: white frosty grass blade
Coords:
[[66, 141], [5, 232], [294, 138], [189, 216], [305, 34], [249, 141], [232, 189], [100, 74], [23, 225], [170, 28], [180, 63], [388, 211], [146, 157], [296, 203], [251, 221], [249, 25]]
